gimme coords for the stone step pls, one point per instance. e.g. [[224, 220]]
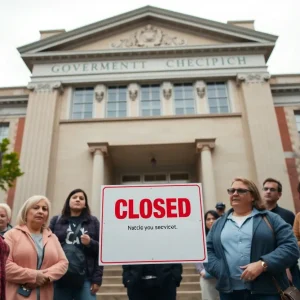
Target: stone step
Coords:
[[118, 279], [116, 271], [191, 295], [117, 288]]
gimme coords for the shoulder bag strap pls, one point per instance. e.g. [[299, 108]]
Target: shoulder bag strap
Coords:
[[273, 278], [75, 233]]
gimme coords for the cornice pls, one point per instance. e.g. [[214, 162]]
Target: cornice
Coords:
[[147, 11], [228, 49], [285, 88], [165, 118], [14, 99]]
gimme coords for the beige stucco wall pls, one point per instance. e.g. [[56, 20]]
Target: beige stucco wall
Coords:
[[73, 167]]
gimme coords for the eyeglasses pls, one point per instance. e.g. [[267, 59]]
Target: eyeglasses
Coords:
[[231, 191], [271, 189]]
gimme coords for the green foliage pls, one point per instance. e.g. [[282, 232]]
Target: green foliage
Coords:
[[9, 166]]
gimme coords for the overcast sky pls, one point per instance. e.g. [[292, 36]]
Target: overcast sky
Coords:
[[21, 20]]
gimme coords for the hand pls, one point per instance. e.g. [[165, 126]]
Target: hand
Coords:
[[251, 271], [85, 239], [41, 279], [94, 288], [31, 286], [202, 273]]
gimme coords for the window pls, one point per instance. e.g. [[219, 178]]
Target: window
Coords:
[[297, 118], [4, 127], [150, 100], [82, 106], [116, 102], [184, 99], [217, 98]]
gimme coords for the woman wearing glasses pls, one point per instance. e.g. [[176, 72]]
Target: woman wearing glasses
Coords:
[[248, 246]]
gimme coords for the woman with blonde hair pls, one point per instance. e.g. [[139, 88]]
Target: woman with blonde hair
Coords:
[[36, 258], [249, 246], [5, 216]]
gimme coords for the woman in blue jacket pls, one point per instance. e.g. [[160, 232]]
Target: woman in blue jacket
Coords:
[[248, 246]]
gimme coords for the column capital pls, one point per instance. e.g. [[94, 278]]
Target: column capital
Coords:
[[202, 144], [45, 87], [102, 147], [250, 78]]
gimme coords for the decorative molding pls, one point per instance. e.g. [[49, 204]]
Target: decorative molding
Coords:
[[203, 144], [167, 89], [200, 88], [95, 147], [45, 87], [100, 90], [149, 36], [252, 78], [133, 91]]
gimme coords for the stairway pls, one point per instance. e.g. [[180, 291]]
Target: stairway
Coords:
[[113, 289]]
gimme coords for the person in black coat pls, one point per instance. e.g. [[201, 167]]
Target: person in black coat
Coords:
[[153, 281]]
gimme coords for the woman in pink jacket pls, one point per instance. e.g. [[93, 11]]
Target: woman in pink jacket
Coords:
[[36, 258]]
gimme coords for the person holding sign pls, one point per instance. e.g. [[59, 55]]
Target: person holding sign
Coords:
[[153, 281], [249, 246]]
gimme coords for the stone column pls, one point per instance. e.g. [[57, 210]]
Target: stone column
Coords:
[[37, 141], [99, 151], [262, 132], [206, 169]]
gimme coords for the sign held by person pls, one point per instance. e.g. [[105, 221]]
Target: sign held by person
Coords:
[[146, 224]]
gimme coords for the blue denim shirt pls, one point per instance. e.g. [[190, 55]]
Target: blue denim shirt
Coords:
[[236, 241]]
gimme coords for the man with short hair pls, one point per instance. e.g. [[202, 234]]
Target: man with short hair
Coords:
[[272, 191], [220, 208]]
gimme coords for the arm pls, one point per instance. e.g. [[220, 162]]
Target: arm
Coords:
[[199, 267], [93, 247], [176, 272], [213, 266], [286, 252], [296, 228], [57, 270], [98, 274], [14, 272]]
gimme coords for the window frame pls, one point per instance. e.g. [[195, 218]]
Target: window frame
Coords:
[[225, 83], [4, 125], [185, 107], [151, 109], [82, 112], [117, 102]]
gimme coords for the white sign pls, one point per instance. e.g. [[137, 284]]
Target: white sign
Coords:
[[148, 65], [152, 224]]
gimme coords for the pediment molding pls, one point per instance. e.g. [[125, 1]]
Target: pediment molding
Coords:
[[149, 36], [178, 19]]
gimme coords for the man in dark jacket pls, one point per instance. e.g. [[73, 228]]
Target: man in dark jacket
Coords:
[[153, 281], [272, 191]]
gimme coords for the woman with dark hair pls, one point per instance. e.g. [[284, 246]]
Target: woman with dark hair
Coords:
[[208, 282], [78, 233], [249, 247]]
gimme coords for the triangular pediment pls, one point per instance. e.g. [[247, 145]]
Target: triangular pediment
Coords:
[[150, 33], [176, 26]]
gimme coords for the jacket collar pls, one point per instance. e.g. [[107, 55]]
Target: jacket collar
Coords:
[[46, 232]]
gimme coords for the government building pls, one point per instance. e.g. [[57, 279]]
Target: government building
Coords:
[[152, 96]]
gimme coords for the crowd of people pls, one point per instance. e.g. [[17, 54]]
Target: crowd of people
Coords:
[[253, 251]]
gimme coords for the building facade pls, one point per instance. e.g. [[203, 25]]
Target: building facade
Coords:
[[150, 96]]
